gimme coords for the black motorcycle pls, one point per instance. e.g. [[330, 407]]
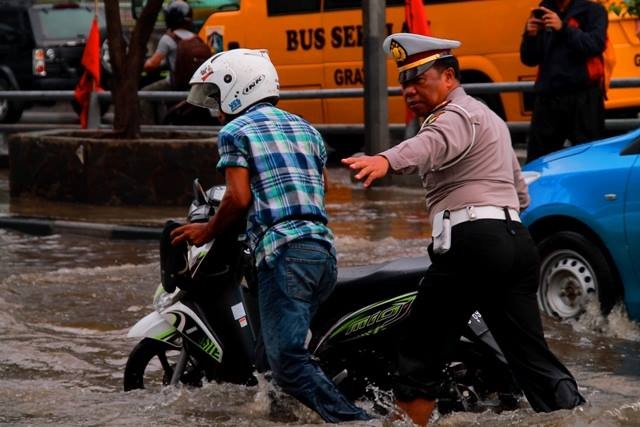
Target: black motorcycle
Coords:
[[205, 325]]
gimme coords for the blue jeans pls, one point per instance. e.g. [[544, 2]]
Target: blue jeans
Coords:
[[302, 277]]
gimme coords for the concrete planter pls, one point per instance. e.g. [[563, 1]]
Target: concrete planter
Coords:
[[93, 167]]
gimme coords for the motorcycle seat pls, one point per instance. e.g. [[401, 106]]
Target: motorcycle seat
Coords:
[[360, 286], [395, 271]]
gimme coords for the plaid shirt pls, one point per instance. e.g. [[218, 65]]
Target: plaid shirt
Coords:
[[285, 156]]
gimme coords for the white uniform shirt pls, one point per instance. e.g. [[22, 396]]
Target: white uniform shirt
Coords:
[[487, 174]]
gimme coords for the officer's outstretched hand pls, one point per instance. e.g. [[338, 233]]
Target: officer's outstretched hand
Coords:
[[368, 168]]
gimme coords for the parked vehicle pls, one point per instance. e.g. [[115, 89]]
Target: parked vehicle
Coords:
[[319, 45], [585, 217], [207, 328], [41, 48]]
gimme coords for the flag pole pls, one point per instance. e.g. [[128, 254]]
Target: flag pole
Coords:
[[376, 98], [95, 84], [95, 16]]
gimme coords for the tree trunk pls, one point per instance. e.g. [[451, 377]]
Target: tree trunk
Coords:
[[127, 63]]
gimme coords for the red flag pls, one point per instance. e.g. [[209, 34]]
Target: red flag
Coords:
[[416, 19], [90, 80]]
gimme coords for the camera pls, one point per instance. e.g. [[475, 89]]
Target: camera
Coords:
[[538, 13]]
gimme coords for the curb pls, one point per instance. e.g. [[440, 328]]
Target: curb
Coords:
[[41, 227]]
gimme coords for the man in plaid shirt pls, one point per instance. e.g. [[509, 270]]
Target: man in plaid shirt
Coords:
[[274, 165]]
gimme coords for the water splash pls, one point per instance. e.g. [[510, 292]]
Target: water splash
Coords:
[[615, 325]]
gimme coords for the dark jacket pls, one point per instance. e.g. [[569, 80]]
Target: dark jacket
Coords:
[[562, 55]]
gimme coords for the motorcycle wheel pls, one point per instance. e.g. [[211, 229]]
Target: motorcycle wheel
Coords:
[[151, 364]]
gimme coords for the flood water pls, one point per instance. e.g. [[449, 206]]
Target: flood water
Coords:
[[67, 301]]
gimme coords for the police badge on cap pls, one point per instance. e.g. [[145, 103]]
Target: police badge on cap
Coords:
[[414, 54]]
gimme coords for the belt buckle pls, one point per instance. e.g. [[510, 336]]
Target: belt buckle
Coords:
[[471, 213]]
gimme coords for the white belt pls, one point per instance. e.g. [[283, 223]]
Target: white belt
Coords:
[[472, 213]]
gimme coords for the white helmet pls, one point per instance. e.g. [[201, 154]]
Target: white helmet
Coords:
[[234, 80]]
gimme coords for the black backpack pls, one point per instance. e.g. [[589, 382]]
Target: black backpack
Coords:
[[190, 54]]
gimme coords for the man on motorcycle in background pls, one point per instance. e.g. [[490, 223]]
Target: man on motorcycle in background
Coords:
[[482, 256], [274, 166], [178, 19]]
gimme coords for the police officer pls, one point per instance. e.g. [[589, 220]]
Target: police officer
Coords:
[[482, 256]]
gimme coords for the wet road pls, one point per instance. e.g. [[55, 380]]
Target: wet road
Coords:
[[67, 301]]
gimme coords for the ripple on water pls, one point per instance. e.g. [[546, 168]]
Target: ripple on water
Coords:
[[66, 303], [92, 298], [360, 251]]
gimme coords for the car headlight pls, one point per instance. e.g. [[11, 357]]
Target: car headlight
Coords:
[[531, 176]]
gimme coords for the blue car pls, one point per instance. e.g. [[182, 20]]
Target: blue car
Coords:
[[585, 218]]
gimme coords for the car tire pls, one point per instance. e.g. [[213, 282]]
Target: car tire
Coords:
[[10, 111], [573, 272]]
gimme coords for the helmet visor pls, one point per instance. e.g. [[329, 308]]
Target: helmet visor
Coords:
[[205, 95]]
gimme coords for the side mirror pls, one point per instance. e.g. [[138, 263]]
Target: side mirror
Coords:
[[136, 8], [199, 195]]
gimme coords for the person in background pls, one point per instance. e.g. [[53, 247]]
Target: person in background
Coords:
[[566, 40], [178, 19], [483, 258], [274, 166]]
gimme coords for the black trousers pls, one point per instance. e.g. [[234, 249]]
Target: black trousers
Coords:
[[576, 116], [493, 267]]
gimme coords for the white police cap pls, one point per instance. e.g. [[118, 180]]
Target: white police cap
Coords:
[[414, 54]]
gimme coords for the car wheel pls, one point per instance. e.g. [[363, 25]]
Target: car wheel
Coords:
[[574, 272], [10, 111]]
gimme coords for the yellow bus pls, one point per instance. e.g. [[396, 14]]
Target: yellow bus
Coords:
[[317, 44]]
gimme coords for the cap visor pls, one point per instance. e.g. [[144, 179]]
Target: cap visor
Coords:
[[412, 73]]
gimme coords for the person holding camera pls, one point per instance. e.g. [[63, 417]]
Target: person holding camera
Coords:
[[566, 40]]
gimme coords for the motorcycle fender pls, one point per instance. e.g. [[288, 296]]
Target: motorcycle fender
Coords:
[[189, 325], [153, 325]]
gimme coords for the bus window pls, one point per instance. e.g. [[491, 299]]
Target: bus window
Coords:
[[342, 4], [287, 7], [354, 4]]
